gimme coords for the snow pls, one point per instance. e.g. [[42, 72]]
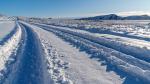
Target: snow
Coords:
[[142, 53], [123, 62], [126, 28], [5, 28], [7, 49], [81, 69], [74, 52], [55, 66]]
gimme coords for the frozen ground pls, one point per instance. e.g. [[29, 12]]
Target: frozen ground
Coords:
[[74, 52]]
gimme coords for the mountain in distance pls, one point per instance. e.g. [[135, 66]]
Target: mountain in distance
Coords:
[[116, 17]]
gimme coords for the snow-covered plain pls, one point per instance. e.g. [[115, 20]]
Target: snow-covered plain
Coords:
[[5, 28], [11, 35], [60, 51]]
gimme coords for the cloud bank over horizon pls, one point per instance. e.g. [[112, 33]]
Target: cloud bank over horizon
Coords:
[[129, 13]]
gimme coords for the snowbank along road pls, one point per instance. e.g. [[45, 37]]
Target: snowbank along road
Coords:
[[45, 54]]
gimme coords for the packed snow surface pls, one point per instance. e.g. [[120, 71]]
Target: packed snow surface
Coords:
[[80, 68]]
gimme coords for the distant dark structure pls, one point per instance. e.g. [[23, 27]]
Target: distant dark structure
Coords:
[[116, 17]]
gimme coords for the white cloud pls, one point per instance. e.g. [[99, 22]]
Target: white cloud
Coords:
[[133, 13]]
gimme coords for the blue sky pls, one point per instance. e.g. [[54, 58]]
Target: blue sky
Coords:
[[72, 8]]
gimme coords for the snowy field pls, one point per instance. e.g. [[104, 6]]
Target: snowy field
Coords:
[[66, 51], [5, 28]]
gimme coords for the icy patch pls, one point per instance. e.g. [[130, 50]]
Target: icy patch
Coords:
[[6, 50]]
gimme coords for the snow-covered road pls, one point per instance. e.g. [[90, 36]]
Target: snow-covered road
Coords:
[[46, 54], [29, 65], [123, 62], [81, 69]]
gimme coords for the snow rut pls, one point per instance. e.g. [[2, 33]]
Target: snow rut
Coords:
[[105, 30], [37, 62], [129, 64], [54, 65], [29, 69], [137, 52]]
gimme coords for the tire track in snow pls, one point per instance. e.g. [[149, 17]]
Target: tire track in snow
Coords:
[[127, 58], [55, 66], [137, 52], [125, 64], [77, 70], [105, 31], [30, 67]]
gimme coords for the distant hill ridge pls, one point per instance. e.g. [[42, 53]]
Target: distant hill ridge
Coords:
[[116, 17]]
